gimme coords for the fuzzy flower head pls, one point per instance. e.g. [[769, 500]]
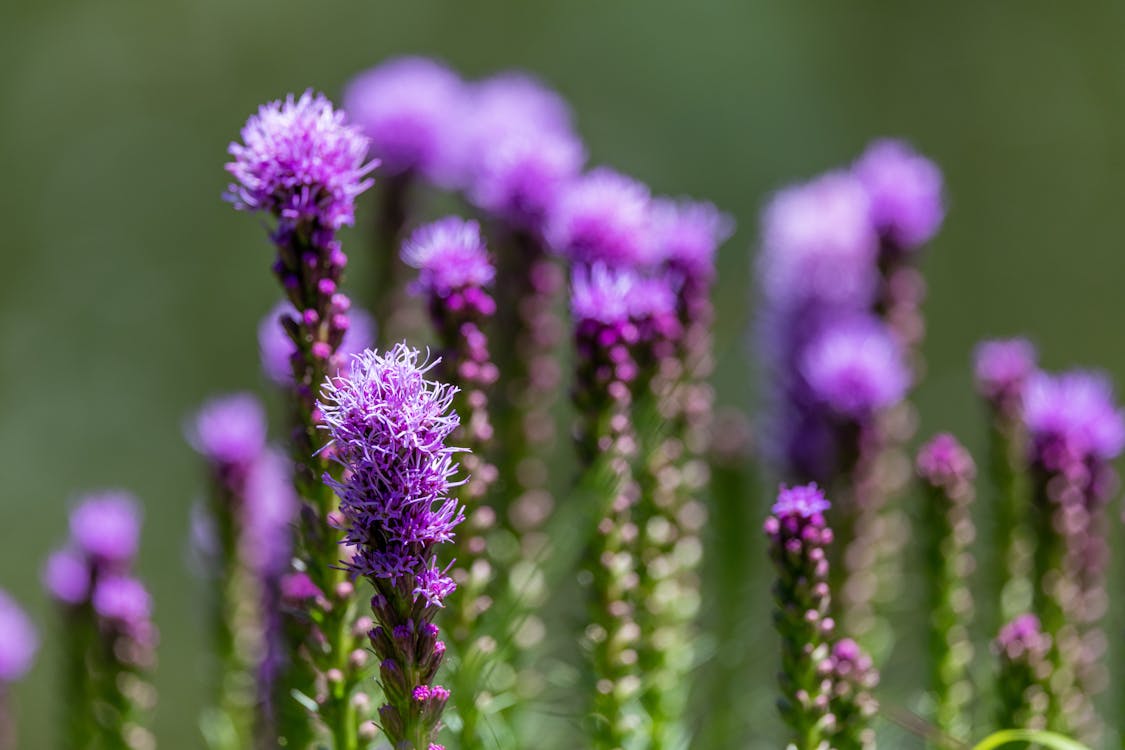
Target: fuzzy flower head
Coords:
[[300, 161], [1002, 367], [229, 431], [805, 501], [856, 368], [66, 577], [106, 527], [271, 507], [688, 235], [944, 462], [410, 108], [1023, 639], [122, 599], [18, 641], [1073, 414], [905, 190], [520, 175], [603, 217], [276, 348], [389, 424], [818, 244], [603, 295], [450, 255]]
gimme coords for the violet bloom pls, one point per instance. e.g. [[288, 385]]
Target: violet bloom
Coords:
[[798, 539], [410, 108], [856, 368], [905, 192], [689, 234], [450, 256], [18, 641], [520, 176], [388, 425], [1002, 368], [603, 218], [123, 600], [853, 704], [818, 245], [229, 431], [66, 577], [1073, 416], [106, 527], [300, 162], [276, 348]]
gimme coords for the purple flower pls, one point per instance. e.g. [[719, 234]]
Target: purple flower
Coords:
[[688, 235], [67, 577], [229, 431], [603, 217], [602, 294], [276, 348], [123, 600], [18, 640], [301, 162], [1021, 636], [856, 368], [944, 462], [410, 108], [905, 190], [389, 425], [1075, 413], [818, 244], [1002, 367], [450, 255], [514, 99], [520, 175], [805, 501], [106, 527]]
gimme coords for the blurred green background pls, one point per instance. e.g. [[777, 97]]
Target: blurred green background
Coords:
[[129, 291]]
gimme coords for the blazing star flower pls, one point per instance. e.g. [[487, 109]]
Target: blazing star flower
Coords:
[[229, 431], [450, 254], [410, 108], [520, 175], [856, 368], [818, 245], [688, 235], [389, 425], [300, 161], [603, 217], [106, 526], [805, 501], [67, 577], [123, 600], [943, 462], [603, 294], [905, 191], [1002, 367], [18, 641], [1075, 413], [276, 348]]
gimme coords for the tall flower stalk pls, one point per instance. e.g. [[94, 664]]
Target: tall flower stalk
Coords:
[[301, 163], [674, 400], [798, 540], [602, 304], [389, 425], [1002, 369], [107, 626], [1075, 430], [455, 274], [947, 472]]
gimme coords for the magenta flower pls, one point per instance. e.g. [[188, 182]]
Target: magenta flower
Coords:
[[106, 527], [856, 368], [300, 161], [688, 235], [229, 431], [905, 192], [1002, 368], [450, 256], [604, 217], [1073, 413], [410, 108], [19, 641], [276, 347], [66, 577]]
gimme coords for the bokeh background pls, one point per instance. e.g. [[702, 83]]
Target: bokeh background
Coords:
[[129, 291]]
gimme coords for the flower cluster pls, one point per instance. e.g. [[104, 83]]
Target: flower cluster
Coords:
[[389, 425], [110, 611], [19, 642], [1022, 684]]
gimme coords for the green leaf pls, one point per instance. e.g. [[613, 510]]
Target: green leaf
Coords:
[[1039, 737]]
